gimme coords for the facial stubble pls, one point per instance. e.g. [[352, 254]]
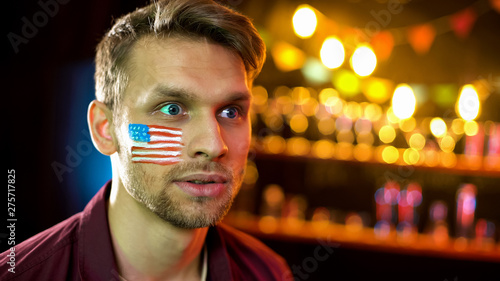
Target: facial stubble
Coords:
[[171, 204]]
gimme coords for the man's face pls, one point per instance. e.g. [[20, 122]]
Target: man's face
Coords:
[[200, 89]]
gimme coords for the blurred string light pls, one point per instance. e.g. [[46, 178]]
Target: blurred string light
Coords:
[[299, 123], [471, 128], [304, 21], [457, 126], [438, 127], [382, 43], [346, 82], [287, 57], [387, 134], [324, 149], [327, 93], [363, 60], [332, 53], [390, 154], [468, 104], [447, 144], [417, 141], [403, 101], [315, 72], [377, 90], [373, 112]]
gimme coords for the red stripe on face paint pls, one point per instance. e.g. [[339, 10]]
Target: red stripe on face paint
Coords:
[[162, 127]]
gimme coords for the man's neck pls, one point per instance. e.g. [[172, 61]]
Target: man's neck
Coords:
[[148, 248]]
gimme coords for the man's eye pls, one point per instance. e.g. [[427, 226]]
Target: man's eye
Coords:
[[172, 109], [230, 112]]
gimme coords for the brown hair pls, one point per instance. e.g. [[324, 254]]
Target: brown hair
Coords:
[[188, 18]]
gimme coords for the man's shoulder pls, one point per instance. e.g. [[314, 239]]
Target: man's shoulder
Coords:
[[49, 249], [245, 249]]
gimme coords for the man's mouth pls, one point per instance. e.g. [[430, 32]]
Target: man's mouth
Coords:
[[201, 182], [202, 185]]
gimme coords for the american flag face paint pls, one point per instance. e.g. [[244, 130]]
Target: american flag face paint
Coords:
[[155, 144]]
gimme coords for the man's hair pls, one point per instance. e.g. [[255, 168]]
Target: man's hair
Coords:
[[193, 19]]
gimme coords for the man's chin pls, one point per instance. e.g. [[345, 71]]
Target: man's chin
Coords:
[[198, 213]]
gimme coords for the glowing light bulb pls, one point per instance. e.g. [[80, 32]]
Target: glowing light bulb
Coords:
[[438, 127], [363, 61], [403, 101], [304, 21], [332, 53], [468, 103]]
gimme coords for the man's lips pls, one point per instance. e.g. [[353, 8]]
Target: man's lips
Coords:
[[202, 185]]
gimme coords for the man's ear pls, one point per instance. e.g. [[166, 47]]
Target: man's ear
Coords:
[[99, 119]]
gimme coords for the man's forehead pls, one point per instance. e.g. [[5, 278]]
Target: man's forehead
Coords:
[[179, 65]]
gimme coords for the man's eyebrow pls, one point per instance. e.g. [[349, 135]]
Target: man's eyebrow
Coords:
[[162, 91], [239, 96]]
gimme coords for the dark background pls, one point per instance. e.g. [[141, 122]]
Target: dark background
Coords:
[[48, 84]]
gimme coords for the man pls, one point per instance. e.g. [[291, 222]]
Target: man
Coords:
[[172, 87]]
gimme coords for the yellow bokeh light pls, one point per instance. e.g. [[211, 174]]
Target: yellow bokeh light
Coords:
[[376, 90], [345, 136], [390, 154], [251, 173], [471, 128], [284, 105], [363, 126], [332, 53], [438, 127], [365, 138], [344, 151], [275, 144], [448, 159], [353, 110], [304, 21], [287, 57], [334, 105], [447, 144], [326, 126], [324, 149], [310, 107], [327, 93], [363, 152], [411, 156], [403, 101], [417, 141], [346, 82], [298, 146], [431, 158], [259, 95], [457, 126], [387, 134], [273, 121], [363, 60], [468, 104], [268, 224], [407, 125], [373, 112], [299, 123], [391, 117], [300, 95]]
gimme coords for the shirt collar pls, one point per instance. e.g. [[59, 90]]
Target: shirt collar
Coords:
[[95, 251]]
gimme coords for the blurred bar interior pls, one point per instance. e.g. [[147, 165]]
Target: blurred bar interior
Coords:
[[376, 132], [376, 127]]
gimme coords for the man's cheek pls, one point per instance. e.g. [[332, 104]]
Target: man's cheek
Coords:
[[155, 144]]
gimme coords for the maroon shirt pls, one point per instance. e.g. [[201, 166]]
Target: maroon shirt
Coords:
[[79, 248]]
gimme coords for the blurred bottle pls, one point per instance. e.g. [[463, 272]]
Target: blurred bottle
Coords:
[[466, 206], [438, 227]]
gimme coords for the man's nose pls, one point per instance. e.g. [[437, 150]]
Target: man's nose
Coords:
[[207, 140]]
